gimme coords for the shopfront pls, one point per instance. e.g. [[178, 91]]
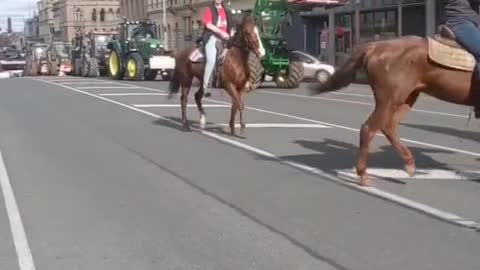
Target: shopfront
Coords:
[[377, 20]]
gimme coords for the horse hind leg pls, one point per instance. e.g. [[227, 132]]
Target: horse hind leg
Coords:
[[183, 102], [369, 129], [391, 133]]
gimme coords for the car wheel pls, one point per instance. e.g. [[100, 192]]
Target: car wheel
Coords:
[[322, 76]]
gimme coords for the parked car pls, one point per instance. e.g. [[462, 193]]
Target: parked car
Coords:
[[314, 68]]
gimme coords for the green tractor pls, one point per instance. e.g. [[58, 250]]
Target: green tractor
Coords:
[[139, 53], [271, 16]]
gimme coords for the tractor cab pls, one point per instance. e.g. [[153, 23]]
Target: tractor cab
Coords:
[[61, 55]]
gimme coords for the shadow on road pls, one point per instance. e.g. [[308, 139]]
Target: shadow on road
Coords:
[[459, 133], [337, 155]]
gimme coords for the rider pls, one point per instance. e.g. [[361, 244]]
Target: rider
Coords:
[[462, 17], [218, 25]]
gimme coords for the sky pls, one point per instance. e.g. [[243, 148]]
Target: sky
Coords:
[[17, 10]]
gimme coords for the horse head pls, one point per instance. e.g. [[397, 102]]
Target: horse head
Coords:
[[249, 38]]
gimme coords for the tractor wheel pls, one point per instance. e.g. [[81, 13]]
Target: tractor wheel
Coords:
[[256, 71], [93, 71], [34, 69], [150, 75], [135, 67], [77, 67], [85, 67], [115, 70], [293, 78], [52, 68]]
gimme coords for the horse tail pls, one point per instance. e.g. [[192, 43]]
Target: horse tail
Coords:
[[345, 75]]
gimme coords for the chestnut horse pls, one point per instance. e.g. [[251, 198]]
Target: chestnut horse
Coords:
[[234, 73], [398, 71]]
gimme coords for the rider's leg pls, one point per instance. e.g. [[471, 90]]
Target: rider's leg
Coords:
[[211, 58], [468, 35]]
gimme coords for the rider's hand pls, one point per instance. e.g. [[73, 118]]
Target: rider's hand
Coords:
[[224, 35]]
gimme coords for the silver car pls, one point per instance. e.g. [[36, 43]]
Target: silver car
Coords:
[[314, 68]]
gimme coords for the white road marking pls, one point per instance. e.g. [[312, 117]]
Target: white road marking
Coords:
[[440, 214], [85, 82], [359, 103], [106, 87], [420, 174], [273, 125], [178, 105], [24, 254], [74, 80], [131, 94]]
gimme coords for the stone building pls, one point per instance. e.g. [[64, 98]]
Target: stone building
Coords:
[[64, 18]]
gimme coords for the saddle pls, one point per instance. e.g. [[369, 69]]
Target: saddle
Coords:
[[198, 55], [444, 50]]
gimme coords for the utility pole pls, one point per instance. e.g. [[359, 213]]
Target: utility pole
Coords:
[[164, 28]]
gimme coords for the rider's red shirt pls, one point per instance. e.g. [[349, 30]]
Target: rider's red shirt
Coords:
[[222, 19]]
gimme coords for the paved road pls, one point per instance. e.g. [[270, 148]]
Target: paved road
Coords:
[[104, 179]]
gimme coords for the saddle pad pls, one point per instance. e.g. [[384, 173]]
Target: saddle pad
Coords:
[[450, 56], [197, 56]]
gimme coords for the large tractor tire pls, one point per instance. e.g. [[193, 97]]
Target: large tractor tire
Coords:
[[150, 75], [52, 68], [34, 69], [256, 71], [93, 71], [115, 69], [293, 78], [89, 67], [135, 70]]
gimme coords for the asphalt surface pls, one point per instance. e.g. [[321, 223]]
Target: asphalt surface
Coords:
[[105, 179]]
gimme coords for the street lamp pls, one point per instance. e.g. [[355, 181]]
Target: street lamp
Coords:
[[164, 28]]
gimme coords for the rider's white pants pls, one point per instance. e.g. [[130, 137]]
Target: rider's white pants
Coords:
[[211, 58]]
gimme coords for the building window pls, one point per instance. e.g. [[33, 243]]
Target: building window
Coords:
[[102, 15], [94, 15]]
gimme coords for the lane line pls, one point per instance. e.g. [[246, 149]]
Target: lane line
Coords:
[[106, 87], [178, 105], [414, 205], [272, 125], [359, 103], [24, 254], [131, 94], [85, 82]]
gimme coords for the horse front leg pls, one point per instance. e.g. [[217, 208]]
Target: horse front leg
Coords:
[[241, 109], [198, 100]]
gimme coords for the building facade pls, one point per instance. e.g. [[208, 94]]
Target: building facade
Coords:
[[60, 20], [134, 9], [368, 20]]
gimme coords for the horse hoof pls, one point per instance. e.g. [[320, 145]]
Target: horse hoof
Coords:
[[187, 129], [203, 121], [410, 169], [208, 94], [365, 181]]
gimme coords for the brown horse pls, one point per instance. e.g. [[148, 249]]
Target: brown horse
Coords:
[[234, 72], [398, 71]]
